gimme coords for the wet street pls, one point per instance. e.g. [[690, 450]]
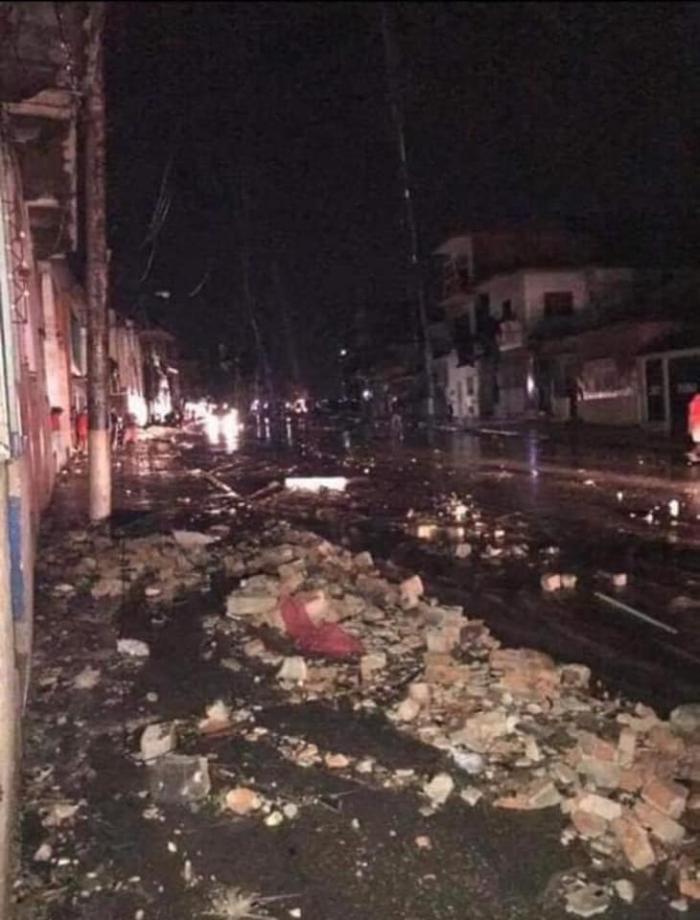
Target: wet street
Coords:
[[562, 504], [317, 796]]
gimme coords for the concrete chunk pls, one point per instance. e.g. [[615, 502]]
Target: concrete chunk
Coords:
[[179, 778], [665, 796], [158, 739], [634, 841]]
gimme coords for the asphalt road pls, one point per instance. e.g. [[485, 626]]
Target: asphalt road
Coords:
[[605, 509]]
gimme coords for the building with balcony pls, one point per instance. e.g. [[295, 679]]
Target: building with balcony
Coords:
[[498, 289]]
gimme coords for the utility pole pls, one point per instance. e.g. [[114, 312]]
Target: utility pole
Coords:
[[392, 62], [100, 469], [263, 363], [292, 354]]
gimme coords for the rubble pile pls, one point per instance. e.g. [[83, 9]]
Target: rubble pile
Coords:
[[163, 565], [526, 732], [512, 728]]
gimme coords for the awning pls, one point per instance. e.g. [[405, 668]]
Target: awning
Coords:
[[619, 340]]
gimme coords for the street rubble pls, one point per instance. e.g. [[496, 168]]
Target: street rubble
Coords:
[[512, 728]]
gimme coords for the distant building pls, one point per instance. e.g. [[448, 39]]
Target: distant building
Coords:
[[162, 388], [498, 290]]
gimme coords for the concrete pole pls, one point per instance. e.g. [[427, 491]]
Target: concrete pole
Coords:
[[100, 470], [392, 62]]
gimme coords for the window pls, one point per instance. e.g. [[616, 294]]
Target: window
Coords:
[[558, 303], [507, 311], [482, 314]]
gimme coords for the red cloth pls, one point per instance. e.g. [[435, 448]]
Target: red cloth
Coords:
[[327, 639], [81, 425], [694, 413]]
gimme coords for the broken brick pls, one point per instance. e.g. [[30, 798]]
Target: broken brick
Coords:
[[600, 805], [661, 826], [634, 841], [588, 825], [666, 796]]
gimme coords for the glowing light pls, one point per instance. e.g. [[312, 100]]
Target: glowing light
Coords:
[[212, 427], [229, 424], [136, 406], [197, 410], [426, 531], [224, 428], [366, 395], [316, 483], [674, 508]]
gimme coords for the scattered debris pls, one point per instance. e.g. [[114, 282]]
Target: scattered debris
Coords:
[[191, 539], [179, 778], [87, 679], [158, 740], [218, 718], [587, 901], [134, 648], [235, 904], [522, 731], [551, 582], [293, 670], [316, 483], [242, 801], [625, 890], [439, 789]]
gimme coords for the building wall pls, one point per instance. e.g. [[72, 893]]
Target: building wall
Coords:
[[127, 393], [57, 362], [516, 390], [505, 386], [613, 410], [461, 386]]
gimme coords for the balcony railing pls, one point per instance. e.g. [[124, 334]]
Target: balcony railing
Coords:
[[510, 335]]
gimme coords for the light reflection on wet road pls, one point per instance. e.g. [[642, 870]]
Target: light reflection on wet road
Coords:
[[607, 510]]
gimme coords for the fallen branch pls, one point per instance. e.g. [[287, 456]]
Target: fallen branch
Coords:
[[216, 482]]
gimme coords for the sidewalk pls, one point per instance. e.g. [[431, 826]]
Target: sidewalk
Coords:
[[596, 436], [412, 785]]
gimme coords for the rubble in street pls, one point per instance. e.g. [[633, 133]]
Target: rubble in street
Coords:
[[510, 728]]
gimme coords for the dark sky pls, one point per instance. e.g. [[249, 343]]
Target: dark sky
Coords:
[[586, 112]]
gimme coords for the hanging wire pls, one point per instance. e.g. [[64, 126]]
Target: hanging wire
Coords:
[[204, 280]]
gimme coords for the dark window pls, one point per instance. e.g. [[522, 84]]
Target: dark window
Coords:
[[558, 303], [507, 311], [656, 405], [464, 340], [483, 315]]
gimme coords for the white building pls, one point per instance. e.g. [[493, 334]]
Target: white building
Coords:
[[500, 289]]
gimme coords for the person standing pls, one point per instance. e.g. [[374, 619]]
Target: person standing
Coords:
[[81, 430], [396, 421], [57, 437], [130, 431], [694, 428]]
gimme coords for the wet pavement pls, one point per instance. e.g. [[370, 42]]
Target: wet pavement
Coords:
[[352, 851], [595, 506]]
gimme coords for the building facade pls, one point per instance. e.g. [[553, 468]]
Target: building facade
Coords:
[[499, 292]]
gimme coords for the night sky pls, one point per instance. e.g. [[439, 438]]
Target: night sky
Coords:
[[581, 113]]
